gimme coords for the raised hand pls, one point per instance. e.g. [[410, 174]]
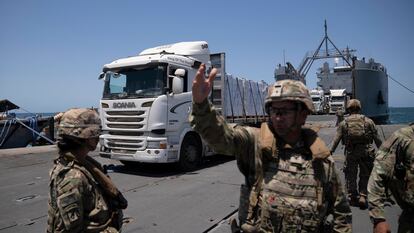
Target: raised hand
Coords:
[[201, 85]]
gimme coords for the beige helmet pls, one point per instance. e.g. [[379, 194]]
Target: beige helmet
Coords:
[[79, 122], [354, 104], [289, 90]]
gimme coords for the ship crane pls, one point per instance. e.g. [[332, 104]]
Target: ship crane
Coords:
[[306, 64]]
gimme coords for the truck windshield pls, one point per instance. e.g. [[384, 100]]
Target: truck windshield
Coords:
[[337, 98], [137, 82], [316, 99]]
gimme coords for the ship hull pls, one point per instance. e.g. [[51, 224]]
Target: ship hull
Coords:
[[370, 87]]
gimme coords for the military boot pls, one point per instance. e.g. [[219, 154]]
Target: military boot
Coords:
[[234, 226], [248, 228], [363, 204], [353, 200]]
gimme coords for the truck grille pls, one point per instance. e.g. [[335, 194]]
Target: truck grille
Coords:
[[125, 113], [123, 119], [126, 133], [130, 120], [125, 126], [125, 129], [124, 143]]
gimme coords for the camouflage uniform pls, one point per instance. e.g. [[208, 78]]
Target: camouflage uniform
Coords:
[[339, 116], [394, 171], [358, 154], [82, 198], [295, 188]]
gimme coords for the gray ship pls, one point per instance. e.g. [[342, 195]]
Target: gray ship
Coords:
[[366, 81], [287, 71]]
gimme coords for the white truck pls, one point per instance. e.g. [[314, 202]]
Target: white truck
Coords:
[[147, 100], [338, 99], [320, 101]]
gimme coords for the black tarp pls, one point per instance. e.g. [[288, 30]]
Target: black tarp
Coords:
[[6, 105]]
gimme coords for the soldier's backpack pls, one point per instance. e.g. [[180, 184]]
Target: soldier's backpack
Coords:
[[356, 131]]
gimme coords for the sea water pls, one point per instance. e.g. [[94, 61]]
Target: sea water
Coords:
[[401, 115], [397, 115]]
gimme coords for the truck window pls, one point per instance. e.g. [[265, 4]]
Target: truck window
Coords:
[[137, 82]]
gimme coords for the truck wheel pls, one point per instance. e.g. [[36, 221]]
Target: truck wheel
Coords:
[[190, 155]]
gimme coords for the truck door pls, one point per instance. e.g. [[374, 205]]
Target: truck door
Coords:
[[179, 104]]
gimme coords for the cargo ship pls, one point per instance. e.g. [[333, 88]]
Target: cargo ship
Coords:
[[364, 80]]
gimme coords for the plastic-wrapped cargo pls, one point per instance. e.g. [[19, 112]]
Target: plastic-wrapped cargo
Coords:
[[233, 97], [262, 92], [255, 101], [238, 99], [247, 98]]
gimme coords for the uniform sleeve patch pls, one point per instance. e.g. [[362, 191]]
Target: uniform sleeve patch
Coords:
[[70, 209]]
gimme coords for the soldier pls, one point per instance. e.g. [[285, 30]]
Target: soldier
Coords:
[[393, 171], [295, 185], [82, 197], [339, 116], [357, 132]]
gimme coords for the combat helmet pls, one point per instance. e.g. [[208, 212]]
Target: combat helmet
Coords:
[[353, 105], [80, 123], [289, 90]]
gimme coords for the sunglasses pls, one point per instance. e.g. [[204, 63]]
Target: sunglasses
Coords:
[[282, 111]]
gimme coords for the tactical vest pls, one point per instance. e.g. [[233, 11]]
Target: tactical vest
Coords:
[[404, 174], [293, 191], [356, 130], [101, 217]]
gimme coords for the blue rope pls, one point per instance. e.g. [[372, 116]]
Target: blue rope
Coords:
[[33, 125], [7, 124]]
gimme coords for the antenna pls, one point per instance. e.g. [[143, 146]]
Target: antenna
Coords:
[[326, 39]]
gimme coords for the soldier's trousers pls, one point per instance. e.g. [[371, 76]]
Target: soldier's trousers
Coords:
[[244, 203], [364, 160]]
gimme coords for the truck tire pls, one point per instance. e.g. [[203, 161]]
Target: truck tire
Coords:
[[190, 154]]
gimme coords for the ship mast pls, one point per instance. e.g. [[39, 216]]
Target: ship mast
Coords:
[[308, 60]]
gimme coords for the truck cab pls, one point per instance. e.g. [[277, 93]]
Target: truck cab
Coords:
[[146, 103], [338, 100], [320, 101]]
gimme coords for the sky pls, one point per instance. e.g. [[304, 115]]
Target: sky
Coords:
[[51, 52]]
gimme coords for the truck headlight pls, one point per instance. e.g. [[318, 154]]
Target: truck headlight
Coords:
[[156, 145]]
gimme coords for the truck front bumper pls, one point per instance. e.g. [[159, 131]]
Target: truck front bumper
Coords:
[[144, 156]]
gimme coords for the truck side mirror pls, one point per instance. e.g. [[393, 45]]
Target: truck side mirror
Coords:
[[179, 72], [177, 85], [178, 81], [104, 76], [101, 76]]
